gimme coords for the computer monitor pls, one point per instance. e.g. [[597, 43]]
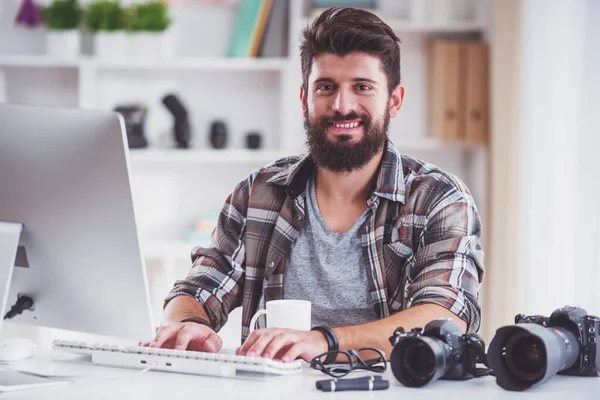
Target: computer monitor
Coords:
[[65, 176]]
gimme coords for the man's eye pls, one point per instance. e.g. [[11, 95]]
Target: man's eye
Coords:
[[363, 87], [325, 87]]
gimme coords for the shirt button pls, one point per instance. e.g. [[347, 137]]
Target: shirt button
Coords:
[[271, 264], [299, 217]]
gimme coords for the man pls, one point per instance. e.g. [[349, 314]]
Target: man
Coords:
[[374, 239]]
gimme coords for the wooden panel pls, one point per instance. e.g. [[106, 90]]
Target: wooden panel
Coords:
[[445, 121], [474, 60]]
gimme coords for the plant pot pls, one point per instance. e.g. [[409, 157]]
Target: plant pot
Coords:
[[111, 45], [63, 44], [151, 45]]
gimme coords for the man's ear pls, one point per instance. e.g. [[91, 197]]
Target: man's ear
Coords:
[[303, 98], [396, 100]]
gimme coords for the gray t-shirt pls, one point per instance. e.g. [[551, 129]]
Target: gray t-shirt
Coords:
[[328, 269]]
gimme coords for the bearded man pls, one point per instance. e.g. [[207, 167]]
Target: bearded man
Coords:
[[373, 238]]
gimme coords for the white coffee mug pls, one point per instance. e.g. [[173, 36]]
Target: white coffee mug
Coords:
[[290, 314]]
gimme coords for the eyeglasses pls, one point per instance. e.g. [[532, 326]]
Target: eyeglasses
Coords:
[[365, 358]]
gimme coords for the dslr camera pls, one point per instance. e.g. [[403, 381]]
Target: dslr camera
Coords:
[[536, 348], [437, 351]]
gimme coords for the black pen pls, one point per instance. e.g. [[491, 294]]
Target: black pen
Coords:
[[363, 383]]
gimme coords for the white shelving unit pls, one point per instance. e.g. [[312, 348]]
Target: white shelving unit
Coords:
[[175, 187]]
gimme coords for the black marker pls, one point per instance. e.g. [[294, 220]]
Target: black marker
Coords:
[[364, 383]]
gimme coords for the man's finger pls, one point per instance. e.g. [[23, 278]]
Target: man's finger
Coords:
[[212, 344], [279, 341], [257, 349], [254, 336], [164, 334], [188, 333], [294, 352]]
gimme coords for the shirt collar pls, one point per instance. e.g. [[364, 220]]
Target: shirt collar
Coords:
[[390, 176]]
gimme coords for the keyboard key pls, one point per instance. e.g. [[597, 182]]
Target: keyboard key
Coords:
[[181, 353]]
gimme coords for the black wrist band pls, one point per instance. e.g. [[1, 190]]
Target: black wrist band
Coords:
[[332, 342], [197, 320]]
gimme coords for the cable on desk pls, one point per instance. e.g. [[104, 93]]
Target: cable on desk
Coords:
[[118, 378]]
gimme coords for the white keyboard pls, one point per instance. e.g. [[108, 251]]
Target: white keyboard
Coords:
[[180, 361]]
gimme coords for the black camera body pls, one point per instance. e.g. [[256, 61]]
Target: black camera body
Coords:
[[586, 329], [437, 351], [536, 348]]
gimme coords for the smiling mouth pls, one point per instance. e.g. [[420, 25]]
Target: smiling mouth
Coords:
[[345, 126]]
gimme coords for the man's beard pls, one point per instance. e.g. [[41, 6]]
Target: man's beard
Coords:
[[342, 155]]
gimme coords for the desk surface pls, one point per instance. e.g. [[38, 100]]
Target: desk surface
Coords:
[[93, 382]]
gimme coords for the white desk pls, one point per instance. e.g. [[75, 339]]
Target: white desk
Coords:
[[94, 383]]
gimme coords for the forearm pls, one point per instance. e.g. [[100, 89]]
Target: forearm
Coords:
[[377, 333], [182, 307]]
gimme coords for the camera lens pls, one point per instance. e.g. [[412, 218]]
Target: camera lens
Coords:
[[526, 356], [419, 361]]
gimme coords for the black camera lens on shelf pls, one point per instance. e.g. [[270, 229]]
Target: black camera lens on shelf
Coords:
[[437, 351], [536, 348]]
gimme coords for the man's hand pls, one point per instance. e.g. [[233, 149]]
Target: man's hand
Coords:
[[187, 336], [284, 344]]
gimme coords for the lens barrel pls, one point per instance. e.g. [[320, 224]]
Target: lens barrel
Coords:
[[417, 361], [527, 355]]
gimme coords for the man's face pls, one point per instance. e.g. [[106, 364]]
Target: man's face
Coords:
[[347, 109]]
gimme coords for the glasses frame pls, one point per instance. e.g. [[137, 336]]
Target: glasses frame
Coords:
[[360, 364]]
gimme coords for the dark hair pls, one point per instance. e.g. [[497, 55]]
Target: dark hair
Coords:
[[342, 31]]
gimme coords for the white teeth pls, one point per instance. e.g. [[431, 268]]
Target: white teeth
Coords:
[[347, 126]]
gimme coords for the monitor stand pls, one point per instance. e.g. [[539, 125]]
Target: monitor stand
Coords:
[[10, 233]]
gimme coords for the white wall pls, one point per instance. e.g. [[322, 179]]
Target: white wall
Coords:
[[555, 203], [545, 228], [587, 213]]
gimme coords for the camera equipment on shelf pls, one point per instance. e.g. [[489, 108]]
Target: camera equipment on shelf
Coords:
[[437, 351], [537, 348], [134, 116], [181, 127]]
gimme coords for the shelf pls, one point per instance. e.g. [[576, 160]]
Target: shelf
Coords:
[[240, 156], [182, 64], [199, 64], [230, 156], [39, 61]]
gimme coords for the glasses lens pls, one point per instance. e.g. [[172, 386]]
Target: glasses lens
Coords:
[[526, 356], [342, 366], [370, 359], [419, 361]]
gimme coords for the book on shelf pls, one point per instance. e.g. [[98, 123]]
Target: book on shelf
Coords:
[[260, 29], [259, 26], [275, 43], [245, 19]]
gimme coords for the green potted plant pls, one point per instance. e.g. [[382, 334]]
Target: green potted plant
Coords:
[[62, 19], [148, 25], [106, 20]]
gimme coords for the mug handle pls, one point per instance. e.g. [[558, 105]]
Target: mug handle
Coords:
[[255, 318]]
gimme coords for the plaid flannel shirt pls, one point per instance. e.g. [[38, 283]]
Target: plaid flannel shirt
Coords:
[[420, 241]]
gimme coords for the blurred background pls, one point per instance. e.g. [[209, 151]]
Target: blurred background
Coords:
[[502, 93]]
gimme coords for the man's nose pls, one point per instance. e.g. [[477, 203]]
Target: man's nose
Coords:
[[345, 102]]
